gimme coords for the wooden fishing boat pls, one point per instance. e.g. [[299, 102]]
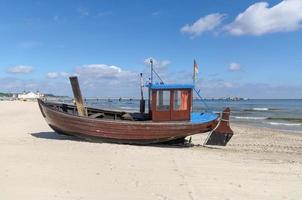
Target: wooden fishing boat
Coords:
[[111, 126], [169, 118]]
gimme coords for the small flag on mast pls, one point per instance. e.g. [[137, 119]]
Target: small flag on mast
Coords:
[[195, 70]]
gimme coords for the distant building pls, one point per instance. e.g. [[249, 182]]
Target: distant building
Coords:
[[29, 96]]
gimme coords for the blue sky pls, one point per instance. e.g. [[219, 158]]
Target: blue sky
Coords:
[[243, 48]]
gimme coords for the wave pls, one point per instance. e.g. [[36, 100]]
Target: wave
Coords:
[[284, 124], [290, 119], [254, 118], [261, 109], [127, 108]]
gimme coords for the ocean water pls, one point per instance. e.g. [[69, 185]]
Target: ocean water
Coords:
[[281, 114]]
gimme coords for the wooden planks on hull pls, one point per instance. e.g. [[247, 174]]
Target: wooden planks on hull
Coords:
[[124, 131], [136, 132]]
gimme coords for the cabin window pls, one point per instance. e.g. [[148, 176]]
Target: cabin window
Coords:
[[180, 100], [163, 100]]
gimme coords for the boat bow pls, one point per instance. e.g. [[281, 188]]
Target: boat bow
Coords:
[[222, 133]]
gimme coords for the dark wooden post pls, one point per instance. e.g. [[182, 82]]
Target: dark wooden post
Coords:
[[78, 96], [142, 101]]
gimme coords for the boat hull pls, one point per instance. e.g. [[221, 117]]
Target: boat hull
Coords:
[[120, 131]]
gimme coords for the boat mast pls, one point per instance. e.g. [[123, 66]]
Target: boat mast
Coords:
[[150, 84], [151, 66]]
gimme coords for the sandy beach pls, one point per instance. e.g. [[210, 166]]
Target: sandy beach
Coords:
[[36, 163]]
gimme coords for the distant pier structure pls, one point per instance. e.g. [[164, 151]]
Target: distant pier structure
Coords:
[[109, 99]]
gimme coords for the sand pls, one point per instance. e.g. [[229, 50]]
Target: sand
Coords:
[[36, 163]]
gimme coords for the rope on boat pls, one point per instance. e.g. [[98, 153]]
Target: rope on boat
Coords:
[[209, 135], [161, 81], [206, 105]]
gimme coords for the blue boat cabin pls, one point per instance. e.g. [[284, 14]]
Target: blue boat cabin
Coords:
[[171, 102]]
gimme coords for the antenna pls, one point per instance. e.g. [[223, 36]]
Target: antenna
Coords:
[[151, 66], [154, 72]]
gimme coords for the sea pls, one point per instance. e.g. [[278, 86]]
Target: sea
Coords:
[[281, 114]]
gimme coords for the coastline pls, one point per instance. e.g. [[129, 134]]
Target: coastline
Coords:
[[37, 163], [265, 128]]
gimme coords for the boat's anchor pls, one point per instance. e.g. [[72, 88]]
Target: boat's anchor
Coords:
[[222, 133]]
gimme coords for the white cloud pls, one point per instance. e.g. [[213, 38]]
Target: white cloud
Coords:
[[64, 74], [20, 69], [129, 87], [83, 12], [98, 80], [228, 84], [158, 64], [98, 73], [101, 71], [52, 75], [203, 24], [107, 80], [57, 74], [259, 19], [234, 67], [219, 87], [16, 85]]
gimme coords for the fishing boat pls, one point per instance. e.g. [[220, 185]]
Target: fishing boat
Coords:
[[169, 118]]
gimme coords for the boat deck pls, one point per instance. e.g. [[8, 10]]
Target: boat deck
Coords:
[[197, 118]]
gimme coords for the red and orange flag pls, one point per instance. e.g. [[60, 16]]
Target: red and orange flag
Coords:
[[195, 70]]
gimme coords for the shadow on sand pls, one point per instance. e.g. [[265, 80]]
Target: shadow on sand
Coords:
[[55, 136]]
